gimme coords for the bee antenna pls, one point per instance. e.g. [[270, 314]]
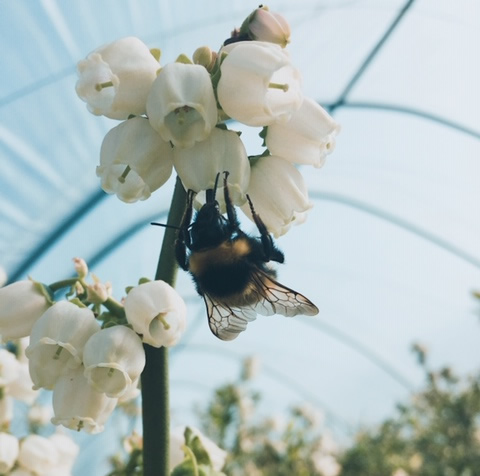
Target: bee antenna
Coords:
[[165, 225], [211, 192]]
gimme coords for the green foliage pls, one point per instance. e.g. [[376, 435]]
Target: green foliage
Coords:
[[257, 446], [436, 434]]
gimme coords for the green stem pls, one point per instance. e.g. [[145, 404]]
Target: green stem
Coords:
[[64, 283], [155, 391]]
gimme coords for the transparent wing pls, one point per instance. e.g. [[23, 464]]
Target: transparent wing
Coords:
[[227, 322], [270, 297], [275, 298]]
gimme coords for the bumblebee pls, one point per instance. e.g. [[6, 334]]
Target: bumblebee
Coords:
[[230, 268]]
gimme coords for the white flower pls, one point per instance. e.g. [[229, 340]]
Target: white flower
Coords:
[[278, 193], [177, 441], [181, 105], [57, 341], [78, 406], [9, 368], [8, 452], [21, 387], [134, 160], [258, 85], [113, 359], [156, 312], [264, 25], [37, 454], [307, 138], [115, 79], [21, 304], [39, 414], [67, 452], [6, 411], [198, 166]]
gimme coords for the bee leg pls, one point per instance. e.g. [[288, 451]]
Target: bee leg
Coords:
[[231, 213], [183, 237], [271, 252]]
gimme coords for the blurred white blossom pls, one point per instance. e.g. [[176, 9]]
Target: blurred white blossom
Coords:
[[37, 454], [177, 441], [9, 449]]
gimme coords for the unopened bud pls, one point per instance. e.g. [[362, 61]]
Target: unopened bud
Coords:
[[80, 267], [205, 57]]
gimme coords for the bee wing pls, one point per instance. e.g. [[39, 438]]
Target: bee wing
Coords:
[[278, 299], [227, 322]]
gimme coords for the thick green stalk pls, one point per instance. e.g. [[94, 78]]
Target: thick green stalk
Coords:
[[155, 382]]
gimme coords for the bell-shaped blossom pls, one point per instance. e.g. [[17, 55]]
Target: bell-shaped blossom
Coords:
[[223, 151], [37, 454], [113, 359], [67, 452], [264, 25], [8, 452], [258, 84], [115, 79], [156, 312], [78, 406], [57, 342], [39, 415], [278, 193], [177, 442], [21, 304], [9, 368], [21, 387], [6, 411], [181, 105], [307, 138], [134, 160]]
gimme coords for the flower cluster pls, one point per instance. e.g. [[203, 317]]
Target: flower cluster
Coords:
[[32, 455], [89, 357], [174, 117], [37, 455]]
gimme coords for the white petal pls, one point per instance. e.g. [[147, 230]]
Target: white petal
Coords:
[[278, 193], [223, 151], [248, 72], [113, 359], [57, 341], [135, 144], [8, 452], [130, 67], [181, 105], [156, 312], [22, 305], [78, 406]]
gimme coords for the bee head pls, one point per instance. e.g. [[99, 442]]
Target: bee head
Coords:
[[210, 227]]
